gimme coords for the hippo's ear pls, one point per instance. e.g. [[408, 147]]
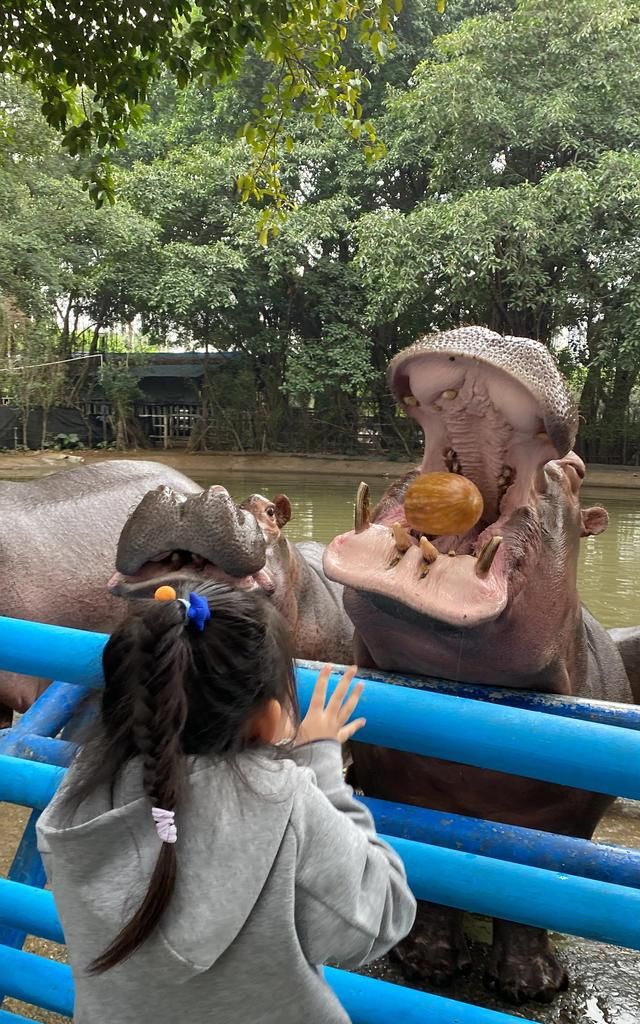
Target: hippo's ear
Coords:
[[594, 521], [283, 509]]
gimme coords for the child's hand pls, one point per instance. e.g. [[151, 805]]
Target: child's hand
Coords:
[[329, 721]]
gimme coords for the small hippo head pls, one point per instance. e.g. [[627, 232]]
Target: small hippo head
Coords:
[[497, 411], [271, 516], [172, 537]]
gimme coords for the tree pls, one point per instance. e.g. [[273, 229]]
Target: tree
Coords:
[[95, 63], [512, 193]]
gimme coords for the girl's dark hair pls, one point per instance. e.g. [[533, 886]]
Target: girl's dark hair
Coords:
[[172, 690]]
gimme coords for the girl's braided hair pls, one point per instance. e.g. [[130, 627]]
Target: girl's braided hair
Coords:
[[172, 691]]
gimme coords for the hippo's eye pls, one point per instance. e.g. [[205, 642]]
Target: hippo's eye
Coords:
[[271, 512]]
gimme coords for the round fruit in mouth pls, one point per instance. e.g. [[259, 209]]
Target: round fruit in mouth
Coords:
[[442, 504]]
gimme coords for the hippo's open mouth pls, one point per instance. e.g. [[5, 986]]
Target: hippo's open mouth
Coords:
[[171, 538], [175, 567], [492, 420]]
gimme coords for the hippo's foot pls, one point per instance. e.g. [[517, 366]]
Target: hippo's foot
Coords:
[[522, 967], [6, 717], [436, 950]]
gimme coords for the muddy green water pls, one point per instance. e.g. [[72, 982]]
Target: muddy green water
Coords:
[[610, 564]]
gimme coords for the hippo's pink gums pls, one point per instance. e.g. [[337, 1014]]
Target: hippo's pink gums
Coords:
[[497, 605]]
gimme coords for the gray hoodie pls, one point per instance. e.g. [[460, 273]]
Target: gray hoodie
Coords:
[[279, 868]]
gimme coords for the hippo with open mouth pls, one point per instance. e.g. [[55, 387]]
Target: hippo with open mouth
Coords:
[[174, 536], [497, 604]]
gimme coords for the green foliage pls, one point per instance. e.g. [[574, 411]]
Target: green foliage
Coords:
[[509, 195], [94, 65], [66, 442]]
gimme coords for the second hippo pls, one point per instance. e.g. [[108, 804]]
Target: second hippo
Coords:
[[173, 536]]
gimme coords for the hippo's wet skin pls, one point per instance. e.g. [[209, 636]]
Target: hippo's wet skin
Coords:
[[58, 546], [498, 611], [173, 537]]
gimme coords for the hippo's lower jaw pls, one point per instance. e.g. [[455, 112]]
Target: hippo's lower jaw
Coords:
[[464, 585], [179, 567]]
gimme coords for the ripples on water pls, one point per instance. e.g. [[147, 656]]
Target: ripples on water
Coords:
[[609, 568]]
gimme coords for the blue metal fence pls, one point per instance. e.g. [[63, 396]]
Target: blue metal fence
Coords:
[[566, 884]]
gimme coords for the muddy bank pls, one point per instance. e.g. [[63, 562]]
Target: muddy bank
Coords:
[[24, 465]]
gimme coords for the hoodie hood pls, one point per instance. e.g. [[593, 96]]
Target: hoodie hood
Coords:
[[229, 833]]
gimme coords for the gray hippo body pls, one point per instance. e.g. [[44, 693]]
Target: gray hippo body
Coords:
[[58, 549], [504, 610], [172, 537]]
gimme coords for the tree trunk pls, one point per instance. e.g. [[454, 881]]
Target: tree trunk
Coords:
[[614, 415], [45, 422]]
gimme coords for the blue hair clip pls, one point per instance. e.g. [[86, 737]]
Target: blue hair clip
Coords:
[[198, 610]]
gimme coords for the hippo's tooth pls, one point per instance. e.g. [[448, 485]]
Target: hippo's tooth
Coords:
[[449, 394], [198, 561], [487, 555], [451, 553], [401, 537], [429, 550], [361, 516], [410, 400]]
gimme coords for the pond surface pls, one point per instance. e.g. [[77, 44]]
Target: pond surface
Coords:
[[610, 564]]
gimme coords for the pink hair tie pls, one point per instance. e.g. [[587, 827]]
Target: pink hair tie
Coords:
[[165, 824]]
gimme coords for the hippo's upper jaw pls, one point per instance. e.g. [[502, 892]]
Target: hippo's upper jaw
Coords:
[[171, 537], [495, 410]]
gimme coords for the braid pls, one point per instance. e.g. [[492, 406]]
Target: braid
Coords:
[[158, 706], [159, 712]]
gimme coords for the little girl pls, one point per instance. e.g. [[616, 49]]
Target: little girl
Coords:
[[204, 851]]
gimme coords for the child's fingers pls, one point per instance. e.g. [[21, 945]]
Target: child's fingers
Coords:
[[350, 703], [348, 731], [319, 695], [340, 692]]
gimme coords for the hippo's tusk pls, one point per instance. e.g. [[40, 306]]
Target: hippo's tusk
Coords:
[[177, 561], [487, 555], [361, 517], [429, 550], [401, 537]]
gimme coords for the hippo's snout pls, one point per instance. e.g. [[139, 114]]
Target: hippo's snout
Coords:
[[178, 536]]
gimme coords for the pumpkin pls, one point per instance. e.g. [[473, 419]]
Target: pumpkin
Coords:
[[441, 504]]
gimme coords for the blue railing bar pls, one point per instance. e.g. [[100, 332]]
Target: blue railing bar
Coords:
[[579, 857], [505, 739], [483, 885], [473, 835], [370, 1001], [45, 749], [32, 648], [46, 717], [51, 652], [49, 984], [452, 728], [27, 868], [516, 892], [31, 910], [32, 979], [512, 843], [604, 712], [27, 782]]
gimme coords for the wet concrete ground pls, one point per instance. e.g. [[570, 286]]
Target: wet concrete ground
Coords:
[[605, 980]]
